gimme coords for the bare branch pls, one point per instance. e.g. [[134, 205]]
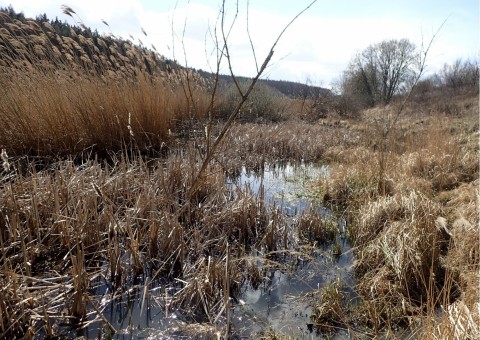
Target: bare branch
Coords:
[[225, 44], [219, 57], [244, 96], [250, 38], [423, 60]]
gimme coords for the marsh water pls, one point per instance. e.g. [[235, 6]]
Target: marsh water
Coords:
[[282, 303]]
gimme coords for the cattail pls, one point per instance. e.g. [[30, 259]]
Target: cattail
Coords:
[[5, 164]]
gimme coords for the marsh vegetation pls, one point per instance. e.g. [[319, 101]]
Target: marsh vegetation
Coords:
[[112, 199]]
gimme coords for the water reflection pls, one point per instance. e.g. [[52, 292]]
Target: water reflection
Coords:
[[285, 185], [283, 300]]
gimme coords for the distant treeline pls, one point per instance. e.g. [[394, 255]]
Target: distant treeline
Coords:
[[284, 87]]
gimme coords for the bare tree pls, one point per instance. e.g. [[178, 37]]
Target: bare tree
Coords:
[[385, 123], [381, 71], [461, 74], [224, 52]]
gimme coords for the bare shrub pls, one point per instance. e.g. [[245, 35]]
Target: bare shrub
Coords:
[[262, 106]]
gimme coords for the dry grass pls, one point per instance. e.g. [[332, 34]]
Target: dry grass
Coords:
[[315, 228], [64, 223], [60, 224], [254, 144], [412, 215], [328, 311], [399, 260], [417, 246]]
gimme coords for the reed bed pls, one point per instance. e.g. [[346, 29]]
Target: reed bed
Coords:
[[63, 226], [253, 145], [97, 209], [86, 93], [100, 209]]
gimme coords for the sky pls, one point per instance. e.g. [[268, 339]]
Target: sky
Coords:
[[316, 48]]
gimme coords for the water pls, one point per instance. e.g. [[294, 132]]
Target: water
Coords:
[[281, 303], [284, 184]]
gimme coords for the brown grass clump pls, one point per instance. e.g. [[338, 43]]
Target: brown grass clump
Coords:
[[459, 321], [353, 180], [313, 227], [462, 223], [328, 311], [461, 318], [399, 260], [204, 292], [445, 162]]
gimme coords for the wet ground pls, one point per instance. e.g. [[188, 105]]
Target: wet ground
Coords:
[[282, 303]]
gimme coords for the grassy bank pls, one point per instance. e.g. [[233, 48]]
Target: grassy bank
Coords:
[[417, 245]]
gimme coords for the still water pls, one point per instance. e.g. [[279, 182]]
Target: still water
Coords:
[[282, 303]]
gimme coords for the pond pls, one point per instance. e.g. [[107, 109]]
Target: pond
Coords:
[[282, 303]]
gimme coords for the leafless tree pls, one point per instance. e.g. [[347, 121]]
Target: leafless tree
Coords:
[[221, 37], [460, 74], [222, 45], [381, 71]]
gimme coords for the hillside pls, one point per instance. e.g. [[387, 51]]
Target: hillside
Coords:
[[46, 43], [285, 87]]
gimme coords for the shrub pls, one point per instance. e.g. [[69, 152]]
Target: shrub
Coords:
[[263, 104]]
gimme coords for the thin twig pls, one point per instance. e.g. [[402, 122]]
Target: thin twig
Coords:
[[109, 325], [250, 37], [417, 79], [225, 44], [243, 99]]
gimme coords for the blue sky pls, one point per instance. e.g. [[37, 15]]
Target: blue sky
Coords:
[[317, 47]]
